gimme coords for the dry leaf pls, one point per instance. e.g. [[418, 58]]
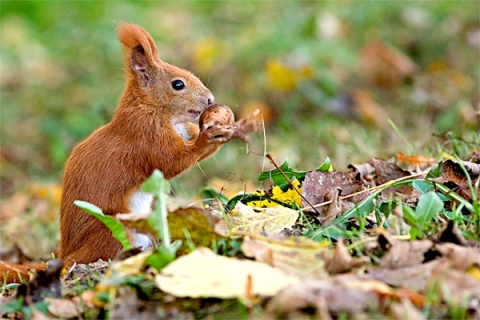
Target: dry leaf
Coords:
[[300, 256], [461, 258], [65, 308], [245, 219], [312, 293], [130, 266], [364, 169], [456, 179], [194, 223], [386, 172], [215, 276], [405, 310], [342, 261], [137, 221], [402, 253], [319, 187]]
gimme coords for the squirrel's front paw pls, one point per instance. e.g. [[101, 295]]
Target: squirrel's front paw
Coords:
[[217, 122], [217, 132]]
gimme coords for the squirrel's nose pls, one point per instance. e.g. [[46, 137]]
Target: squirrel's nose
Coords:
[[210, 99]]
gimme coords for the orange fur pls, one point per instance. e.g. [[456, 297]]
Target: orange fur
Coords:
[[110, 165]]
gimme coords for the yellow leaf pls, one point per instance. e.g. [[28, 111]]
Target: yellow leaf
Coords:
[[244, 219], [214, 276]]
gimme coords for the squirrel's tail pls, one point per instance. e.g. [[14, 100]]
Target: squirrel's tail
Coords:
[[12, 272]]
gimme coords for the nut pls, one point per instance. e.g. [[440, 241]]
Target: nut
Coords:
[[219, 113]]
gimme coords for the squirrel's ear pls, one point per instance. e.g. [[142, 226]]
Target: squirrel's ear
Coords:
[[140, 49], [138, 63]]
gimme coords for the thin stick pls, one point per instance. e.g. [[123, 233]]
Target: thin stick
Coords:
[[269, 157], [386, 184]]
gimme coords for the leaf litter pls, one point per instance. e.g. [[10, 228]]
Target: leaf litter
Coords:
[[378, 238]]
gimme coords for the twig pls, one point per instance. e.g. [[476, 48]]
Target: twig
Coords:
[[386, 184], [269, 157]]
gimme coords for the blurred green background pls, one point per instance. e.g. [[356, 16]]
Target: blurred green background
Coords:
[[327, 75]]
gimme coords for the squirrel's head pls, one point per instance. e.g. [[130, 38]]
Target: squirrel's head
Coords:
[[179, 93]]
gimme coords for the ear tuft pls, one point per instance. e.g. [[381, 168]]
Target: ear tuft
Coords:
[[139, 47]]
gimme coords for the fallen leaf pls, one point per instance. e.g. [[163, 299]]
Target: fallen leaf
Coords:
[[386, 172], [460, 257], [217, 276], [310, 293], [65, 308], [245, 219], [364, 169], [456, 179], [434, 277], [319, 187], [130, 266], [402, 253], [191, 225], [137, 221], [342, 261], [405, 310], [299, 256]]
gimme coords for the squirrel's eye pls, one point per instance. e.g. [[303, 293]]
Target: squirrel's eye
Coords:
[[178, 84]]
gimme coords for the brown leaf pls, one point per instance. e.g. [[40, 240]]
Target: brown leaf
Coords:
[[65, 308], [405, 310], [137, 221], [461, 258], [364, 169], [386, 172], [342, 261], [319, 187], [453, 174], [316, 294], [402, 253], [414, 277], [438, 275]]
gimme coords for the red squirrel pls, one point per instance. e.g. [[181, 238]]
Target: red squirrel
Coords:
[[151, 129]]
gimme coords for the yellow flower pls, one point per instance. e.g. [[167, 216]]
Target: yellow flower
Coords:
[[288, 197]]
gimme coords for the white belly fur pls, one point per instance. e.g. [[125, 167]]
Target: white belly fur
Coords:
[[181, 129], [141, 202]]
